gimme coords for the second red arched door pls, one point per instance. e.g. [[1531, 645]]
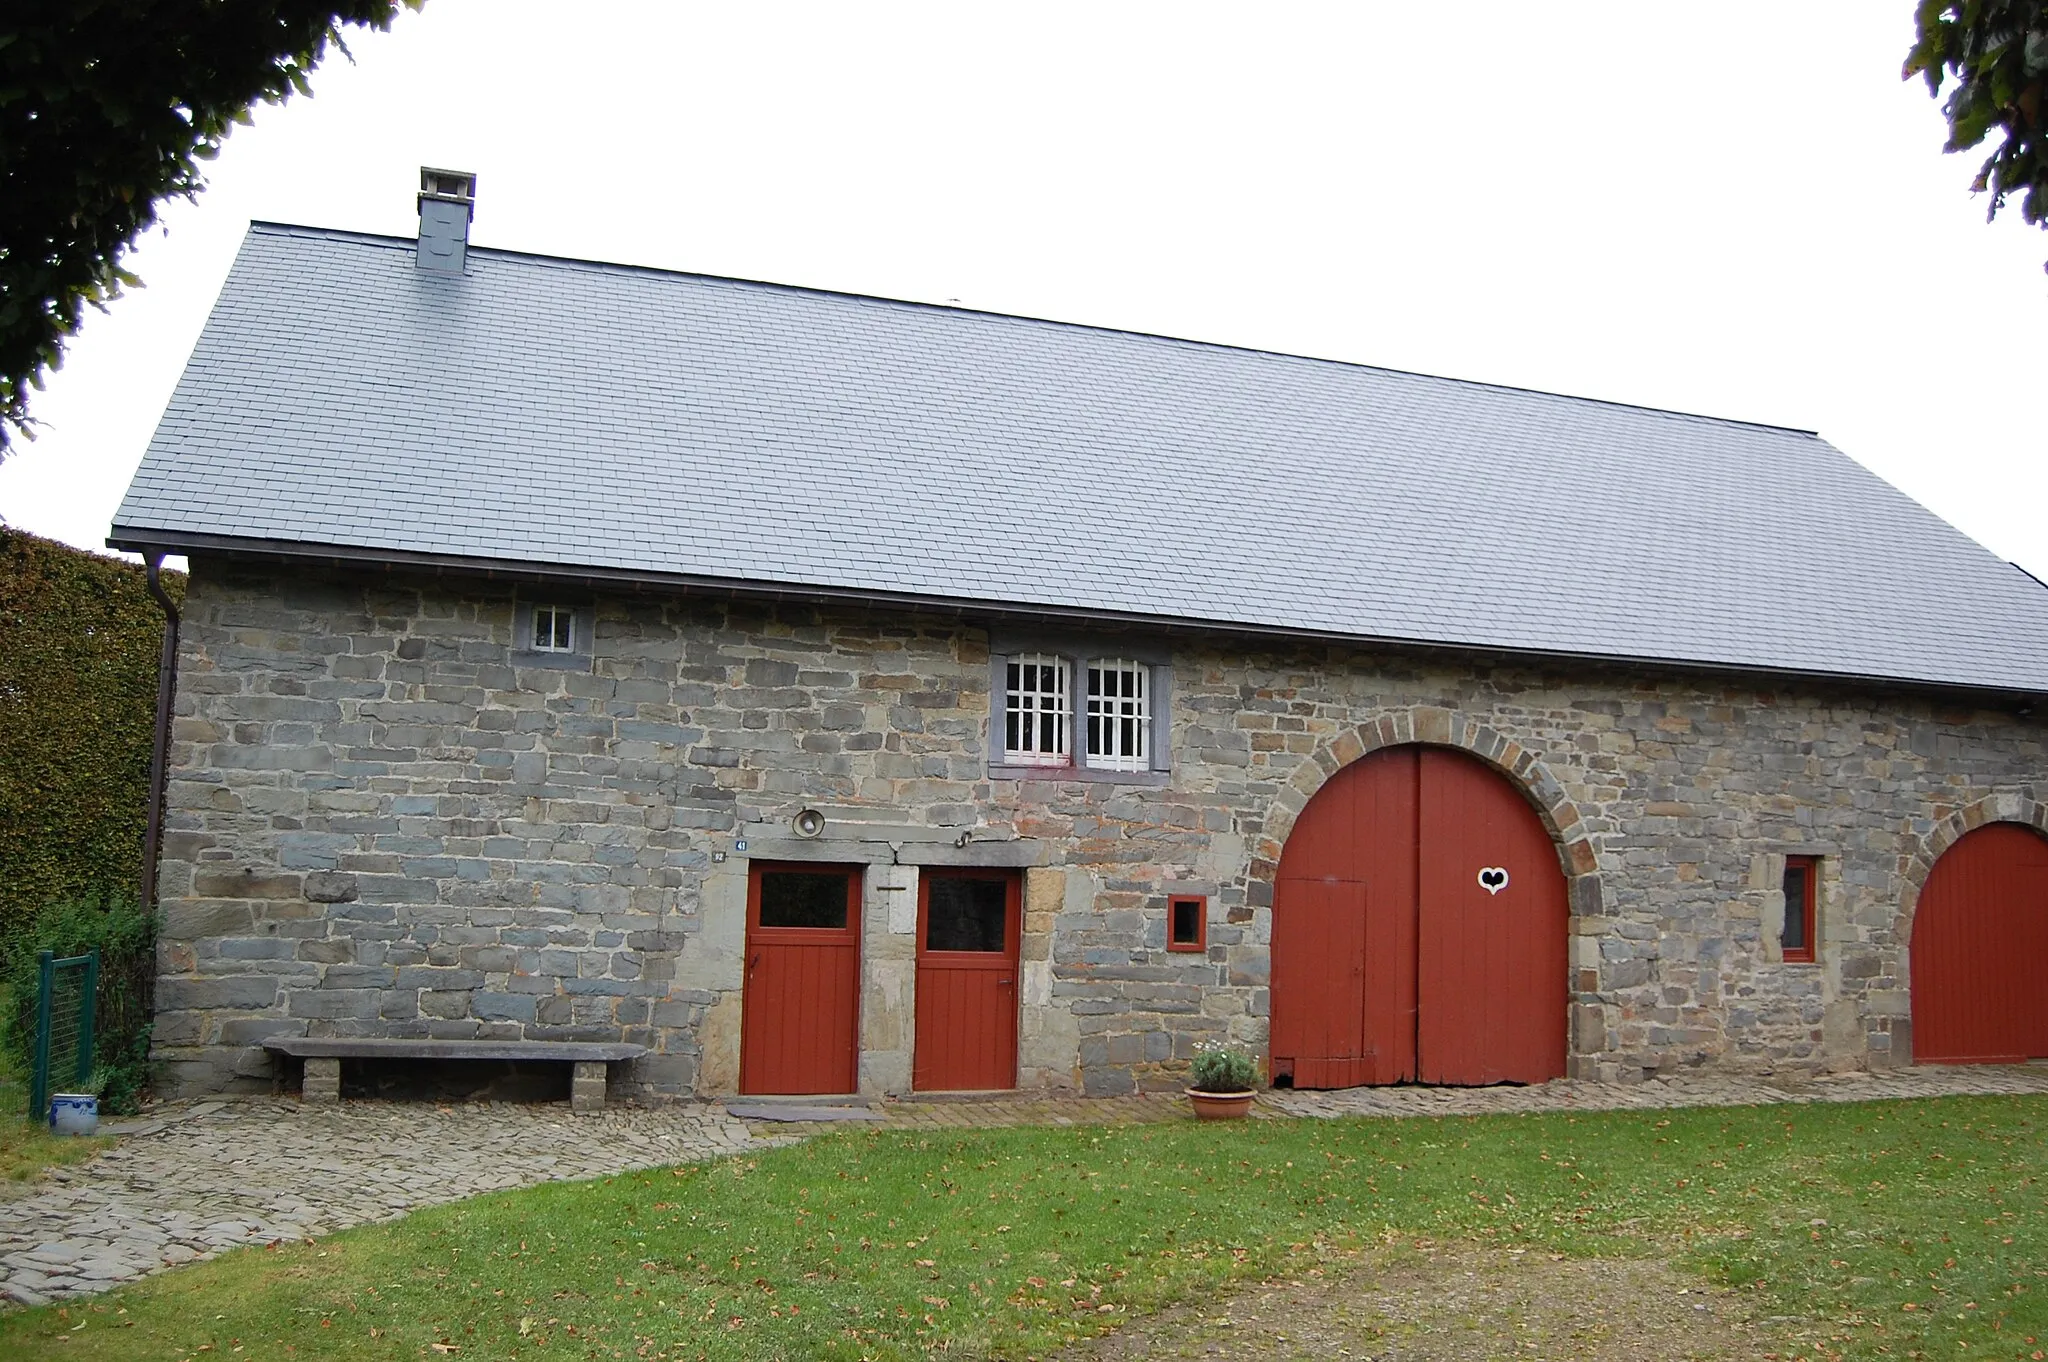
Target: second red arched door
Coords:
[[1980, 946], [1419, 930]]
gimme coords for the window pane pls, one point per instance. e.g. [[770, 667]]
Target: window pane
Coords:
[[551, 628], [803, 899], [1036, 711], [1187, 921], [1119, 715], [1794, 938], [965, 915]]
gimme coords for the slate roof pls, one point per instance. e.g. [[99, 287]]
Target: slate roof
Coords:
[[610, 419]]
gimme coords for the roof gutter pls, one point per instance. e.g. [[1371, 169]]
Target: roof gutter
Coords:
[[160, 752], [161, 542]]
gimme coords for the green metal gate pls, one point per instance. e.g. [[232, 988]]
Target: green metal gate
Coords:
[[65, 993]]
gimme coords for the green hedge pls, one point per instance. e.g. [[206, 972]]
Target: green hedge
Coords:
[[80, 637], [79, 642]]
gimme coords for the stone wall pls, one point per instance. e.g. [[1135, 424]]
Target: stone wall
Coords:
[[385, 821]]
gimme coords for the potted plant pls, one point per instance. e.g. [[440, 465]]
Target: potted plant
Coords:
[[1224, 1079], [78, 1113]]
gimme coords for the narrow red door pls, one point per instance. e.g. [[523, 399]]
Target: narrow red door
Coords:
[[1980, 948], [1494, 918], [1419, 930], [969, 925], [800, 1008]]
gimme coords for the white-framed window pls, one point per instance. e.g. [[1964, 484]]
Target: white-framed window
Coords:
[[1037, 711], [1119, 729], [553, 629], [1058, 702]]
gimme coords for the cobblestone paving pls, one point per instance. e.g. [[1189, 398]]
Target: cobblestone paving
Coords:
[[1689, 1090], [980, 1113], [1679, 1090], [197, 1177]]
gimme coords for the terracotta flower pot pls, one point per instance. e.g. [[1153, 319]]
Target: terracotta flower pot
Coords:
[[1221, 1106]]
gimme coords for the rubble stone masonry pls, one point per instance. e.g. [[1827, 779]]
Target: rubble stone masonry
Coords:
[[386, 821]]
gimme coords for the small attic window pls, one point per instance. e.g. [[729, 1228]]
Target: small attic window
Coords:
[[554, 629], [553, 635]]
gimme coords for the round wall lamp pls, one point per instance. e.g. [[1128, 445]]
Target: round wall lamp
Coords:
[[808, 823]]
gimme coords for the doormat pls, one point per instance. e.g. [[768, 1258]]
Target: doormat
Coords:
[[778, 1111]]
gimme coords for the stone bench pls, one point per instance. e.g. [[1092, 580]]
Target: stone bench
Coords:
[[323, 1056]]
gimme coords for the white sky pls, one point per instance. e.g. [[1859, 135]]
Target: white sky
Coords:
[[1736, 209]]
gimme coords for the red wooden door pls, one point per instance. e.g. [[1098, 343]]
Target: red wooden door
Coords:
[[1980, 947], [1494, 921], [1344, 930], [800, 1009], [969, 925], [1419, 930]]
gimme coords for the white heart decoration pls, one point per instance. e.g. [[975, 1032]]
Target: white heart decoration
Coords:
[[1493, 879]]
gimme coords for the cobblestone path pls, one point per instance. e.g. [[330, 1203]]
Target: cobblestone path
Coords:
[[1679, 1090], [982, 1113], [1691, 1090], [194, 1178]]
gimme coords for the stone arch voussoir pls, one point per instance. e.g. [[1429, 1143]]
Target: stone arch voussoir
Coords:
[[2000, 806], [1440, 728]]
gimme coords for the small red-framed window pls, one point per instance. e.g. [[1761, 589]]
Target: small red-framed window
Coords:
[[1187, 922], [1802, 892]]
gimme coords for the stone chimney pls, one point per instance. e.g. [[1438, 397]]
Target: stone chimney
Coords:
[[447, 203]]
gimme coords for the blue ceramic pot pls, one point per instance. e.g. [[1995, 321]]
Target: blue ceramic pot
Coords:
[[74, 1113]]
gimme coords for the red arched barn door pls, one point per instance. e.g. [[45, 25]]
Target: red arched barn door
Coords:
[[1980, 946], [1419, 930]]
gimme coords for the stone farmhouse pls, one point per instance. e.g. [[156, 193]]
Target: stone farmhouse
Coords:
[[813, 693]]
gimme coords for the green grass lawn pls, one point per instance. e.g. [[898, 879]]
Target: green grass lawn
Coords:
[[1908, 1228]]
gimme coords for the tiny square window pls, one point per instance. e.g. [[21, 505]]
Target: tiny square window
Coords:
[[1037, 713], [1802, 874], [1119, 715], [1187, 922], [552, 629]]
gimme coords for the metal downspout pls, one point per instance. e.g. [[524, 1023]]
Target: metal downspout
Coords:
[[159, 760]]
